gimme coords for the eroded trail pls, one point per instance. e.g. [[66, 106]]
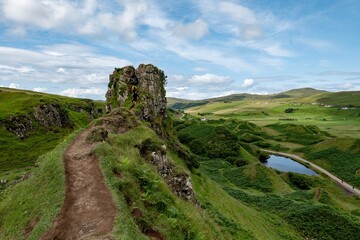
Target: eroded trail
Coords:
[[88, 211]]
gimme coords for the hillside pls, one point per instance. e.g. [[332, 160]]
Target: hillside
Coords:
[[142, 171], [334, 112], [32, 124], [308, 95]]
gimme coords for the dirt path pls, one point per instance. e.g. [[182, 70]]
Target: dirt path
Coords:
[[88, 211], [341, 183]]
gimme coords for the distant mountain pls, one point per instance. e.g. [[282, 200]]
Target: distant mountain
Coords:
[[304, 94]]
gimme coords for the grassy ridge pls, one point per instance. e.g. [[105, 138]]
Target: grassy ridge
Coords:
[[18, 155], [136, 185]]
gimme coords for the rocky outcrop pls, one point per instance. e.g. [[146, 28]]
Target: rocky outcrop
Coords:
[[51, 115], [48, 116], [179, 183], [19, 125], [141, 90]]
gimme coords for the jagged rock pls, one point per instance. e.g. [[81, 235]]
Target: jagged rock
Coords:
[[19, 125], [162, 164], [182, 187], [51, 115], [180, 184], [140, 89]]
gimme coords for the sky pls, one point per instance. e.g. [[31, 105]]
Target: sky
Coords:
[[207, 48]]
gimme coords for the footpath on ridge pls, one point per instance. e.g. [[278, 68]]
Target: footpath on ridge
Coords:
[[88, 211], [340, 182]]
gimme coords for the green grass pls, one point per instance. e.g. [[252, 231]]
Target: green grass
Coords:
[[339, 156], [299, 210], [343, 123], [139, 187], [37, 199], [20, 154]]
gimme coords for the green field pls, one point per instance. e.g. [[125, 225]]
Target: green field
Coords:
[[344, 123]]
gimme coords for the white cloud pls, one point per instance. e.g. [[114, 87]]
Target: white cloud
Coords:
[[238, 12], [67, 63], [209, 79], [177, 78], [252, 32], [88, 17], [60, 70], [82, 92], [248, 83], [277, 51], [14, 85], [39, 89], [22, 69], [182, 89], [40, 13], [195, 30]]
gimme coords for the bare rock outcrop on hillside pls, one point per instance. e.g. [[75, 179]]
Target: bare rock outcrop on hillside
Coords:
[[141, 90]]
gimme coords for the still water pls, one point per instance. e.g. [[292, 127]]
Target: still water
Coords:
[[288, 165]]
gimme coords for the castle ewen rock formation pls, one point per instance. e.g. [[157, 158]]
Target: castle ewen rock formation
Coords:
[[140, 90]]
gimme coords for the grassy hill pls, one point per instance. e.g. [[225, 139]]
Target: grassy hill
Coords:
[[243, 200], [329, 111], [344, 99], [235, 196], [33, 123], [305, 95]]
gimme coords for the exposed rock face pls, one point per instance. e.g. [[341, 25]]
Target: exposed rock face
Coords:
[[140, 89], [19, 125], [48, 116], [180, 183], [51, 115]]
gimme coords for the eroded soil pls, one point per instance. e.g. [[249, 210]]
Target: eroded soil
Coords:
[[88, 211]]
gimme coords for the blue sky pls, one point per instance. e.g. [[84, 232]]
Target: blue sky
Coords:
[[207, 48]]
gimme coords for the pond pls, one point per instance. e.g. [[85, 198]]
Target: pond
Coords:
[[288, 165]]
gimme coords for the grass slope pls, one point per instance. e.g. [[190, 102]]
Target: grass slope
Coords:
[[136, 185], [18, 155], [29, 208], [306, 204]]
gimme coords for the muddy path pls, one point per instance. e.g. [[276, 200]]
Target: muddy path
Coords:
[[88, 211], [351, 189]]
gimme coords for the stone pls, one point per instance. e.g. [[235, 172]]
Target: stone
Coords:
[[140, 90], [51, 115]]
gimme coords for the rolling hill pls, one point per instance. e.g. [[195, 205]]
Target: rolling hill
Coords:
[[303, 94]]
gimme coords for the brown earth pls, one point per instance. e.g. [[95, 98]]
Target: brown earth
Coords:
[[88, 211]]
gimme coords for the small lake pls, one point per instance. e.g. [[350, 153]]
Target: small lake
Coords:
[[288, 165]]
